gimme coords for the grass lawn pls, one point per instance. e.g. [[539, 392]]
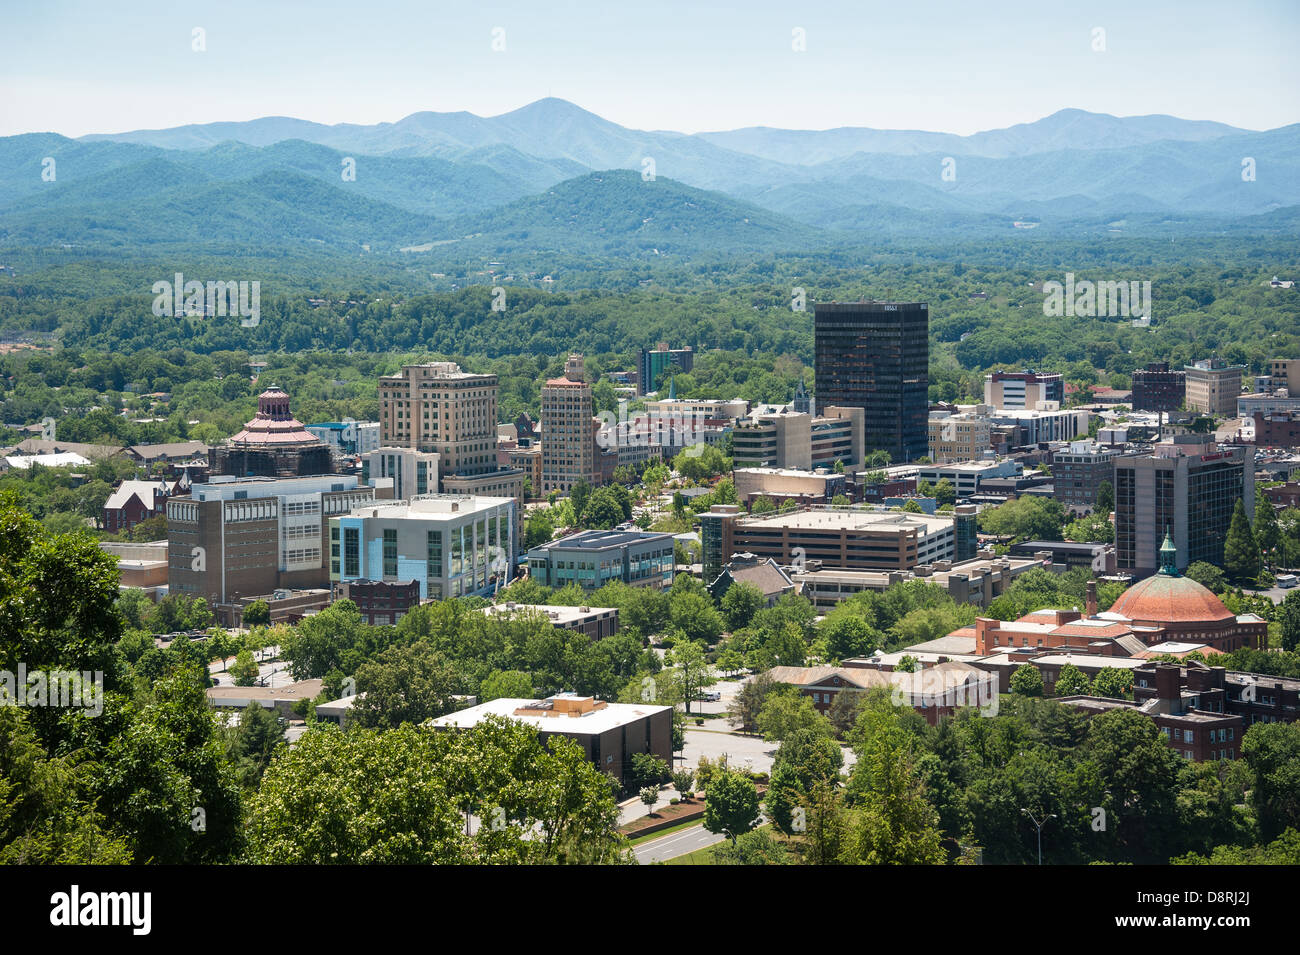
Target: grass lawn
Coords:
[[664, 832]]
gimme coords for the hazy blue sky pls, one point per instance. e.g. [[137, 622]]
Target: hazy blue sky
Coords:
[[953, 65]]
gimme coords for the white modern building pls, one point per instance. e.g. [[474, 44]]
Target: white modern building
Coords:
[[453, 545]]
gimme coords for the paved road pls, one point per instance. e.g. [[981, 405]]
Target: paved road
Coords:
[[676, 844]]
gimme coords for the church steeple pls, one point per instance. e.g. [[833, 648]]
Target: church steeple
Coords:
[[1168, 557]]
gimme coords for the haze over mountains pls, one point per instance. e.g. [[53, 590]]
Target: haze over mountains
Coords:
[[525, 178]]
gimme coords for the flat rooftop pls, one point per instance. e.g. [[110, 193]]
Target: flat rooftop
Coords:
[[610, 716], [788, 472], [867, 578], [441, 505], [853, 519], [596, 540], [557, 614]]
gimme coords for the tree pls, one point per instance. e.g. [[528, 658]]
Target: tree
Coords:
[[537, 803], [1289, 620], [404, 685], [694, 615], [257, 614], [1208, 576], [45, 817], [783, 798], [811, 756], [1027, 681], [538, 528], [749, 700], [1026, 518], [683, 779], [1071, 681], [787, 713], [1272, 751], [1285, 850], [739, 604], [645, 769], [730, 662], [604, 509], [1094, 529], [690, 672], [317, 645], [891, 822], [579, 495], [650, 796], [245, 669], [511, 684], [730, 805], [945, 493], [846, 634], [1240, 549], [255, 742], [1113, 682], [1105, 497], [1267, 532]]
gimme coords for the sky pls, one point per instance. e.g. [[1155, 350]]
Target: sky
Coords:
[[950, 65]]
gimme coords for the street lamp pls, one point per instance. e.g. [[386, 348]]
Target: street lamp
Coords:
[[1039, 825]]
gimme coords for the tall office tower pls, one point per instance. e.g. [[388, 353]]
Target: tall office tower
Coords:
[[1188, 487], [875, 356], [437, 407], [655, 361], [1156, 388], [440, 409], [568, 435]]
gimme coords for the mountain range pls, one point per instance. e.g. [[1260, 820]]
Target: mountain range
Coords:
[[546, 176]]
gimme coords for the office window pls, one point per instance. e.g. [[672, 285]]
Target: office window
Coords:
[[390, 552], [351, 552]]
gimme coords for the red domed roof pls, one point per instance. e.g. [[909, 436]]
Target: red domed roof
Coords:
[[274, 424], [1164, 598]]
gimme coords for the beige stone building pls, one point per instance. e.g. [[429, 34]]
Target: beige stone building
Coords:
[[958, 437], [1213, 387], [437, 407]]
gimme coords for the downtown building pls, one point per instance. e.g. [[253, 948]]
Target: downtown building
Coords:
[[654, 362], [1023, 389], [1079, 472], [1213, 387], [235, 539], [1156, 388], [569, 431], [875, 356], [436, 409], [1188, 486], [592, 559], [851, 538], [798, 440], [450, 545]]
